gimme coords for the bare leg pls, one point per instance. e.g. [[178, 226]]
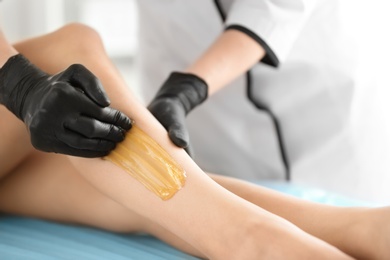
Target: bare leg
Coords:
[[203, 214], [15, 144], [48, 186], [36, 189], [353, 230]]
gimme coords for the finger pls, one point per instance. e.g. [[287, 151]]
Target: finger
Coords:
[[106, 114], [179, 135], [92, 128], [79, 76], [171, 115], [112, 116], [190, 150], [80, 142]]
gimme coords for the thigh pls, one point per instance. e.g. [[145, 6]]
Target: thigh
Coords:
[[55, 51], [52, 53], [48, 186], [15, 141], [48, 51]]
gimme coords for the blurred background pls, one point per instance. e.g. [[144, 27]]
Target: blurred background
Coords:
[[116, 21]]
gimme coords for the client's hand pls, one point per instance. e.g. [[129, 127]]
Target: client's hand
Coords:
[[179, 94], [65, 113]]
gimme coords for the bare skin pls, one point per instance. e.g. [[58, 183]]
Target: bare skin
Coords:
[[350, 229], [97, 193]]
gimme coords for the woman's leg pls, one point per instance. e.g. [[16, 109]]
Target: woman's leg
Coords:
[[48, 186], [15, 143], [73, 200], [204, 214], [363, 233], [35, 189], [313, 218]]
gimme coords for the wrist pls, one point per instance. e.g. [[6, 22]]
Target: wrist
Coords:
[[17, 77]]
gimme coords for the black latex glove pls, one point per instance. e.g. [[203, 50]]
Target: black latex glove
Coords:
[[180, 93], [65, 113]]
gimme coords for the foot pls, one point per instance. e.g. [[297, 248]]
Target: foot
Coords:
[[370, 234], [378, 233], [276, 238]]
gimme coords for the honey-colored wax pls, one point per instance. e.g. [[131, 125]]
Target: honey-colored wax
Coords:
[[145, 160]]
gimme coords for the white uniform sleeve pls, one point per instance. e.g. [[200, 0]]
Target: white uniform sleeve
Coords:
[[274, 24]]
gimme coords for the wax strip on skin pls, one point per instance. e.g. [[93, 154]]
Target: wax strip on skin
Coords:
[[145, 160]]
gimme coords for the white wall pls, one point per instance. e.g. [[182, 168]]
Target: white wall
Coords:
[[115, 20], [25, 18], [370, 22]]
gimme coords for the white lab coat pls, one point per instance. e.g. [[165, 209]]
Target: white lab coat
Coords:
[[309, 93]]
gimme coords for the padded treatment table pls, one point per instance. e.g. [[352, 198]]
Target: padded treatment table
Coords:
[[26, 238]]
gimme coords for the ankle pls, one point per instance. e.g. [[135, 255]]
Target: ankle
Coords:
[[374, 228]]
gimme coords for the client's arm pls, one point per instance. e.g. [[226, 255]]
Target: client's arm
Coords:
[[216, 222]]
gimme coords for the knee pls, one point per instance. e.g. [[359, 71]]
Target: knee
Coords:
[[79, 38]]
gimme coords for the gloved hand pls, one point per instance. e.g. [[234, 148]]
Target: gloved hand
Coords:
[[179, 94], [65, 113]]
